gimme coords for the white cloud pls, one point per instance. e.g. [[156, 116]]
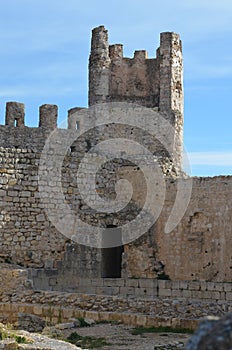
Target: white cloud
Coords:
[[210, 158]]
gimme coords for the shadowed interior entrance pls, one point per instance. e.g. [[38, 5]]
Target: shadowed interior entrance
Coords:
[[112, 256]]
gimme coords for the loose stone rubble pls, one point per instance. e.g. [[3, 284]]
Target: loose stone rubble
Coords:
[[213, 334]]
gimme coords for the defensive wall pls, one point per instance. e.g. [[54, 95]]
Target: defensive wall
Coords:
[[186, 273]]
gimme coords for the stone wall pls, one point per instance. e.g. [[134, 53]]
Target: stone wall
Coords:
[[27, 238], [136, 302], [198, 249], [138, 288], [200, 246]]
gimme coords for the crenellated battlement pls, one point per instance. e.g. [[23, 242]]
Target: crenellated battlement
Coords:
[[48, 116], [155, 83], [15, 115], [16, 135], [150, 82]]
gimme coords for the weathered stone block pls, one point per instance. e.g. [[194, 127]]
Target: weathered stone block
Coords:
[[165, 292], [187, 293], [228, 287], [146, 283], [177, 293], [132, 282], [229, 296]]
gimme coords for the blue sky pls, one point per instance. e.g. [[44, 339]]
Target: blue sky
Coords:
[[45, 47]]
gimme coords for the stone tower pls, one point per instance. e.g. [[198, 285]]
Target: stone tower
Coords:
[[155, 83]]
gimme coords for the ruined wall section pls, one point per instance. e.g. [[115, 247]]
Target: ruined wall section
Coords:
[[199, 248]]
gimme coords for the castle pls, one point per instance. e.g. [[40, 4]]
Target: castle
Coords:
[[197, 249]]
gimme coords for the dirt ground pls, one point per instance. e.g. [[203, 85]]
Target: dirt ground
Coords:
[[120, 338]]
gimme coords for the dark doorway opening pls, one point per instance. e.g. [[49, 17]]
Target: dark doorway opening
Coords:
[[112, 256]]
